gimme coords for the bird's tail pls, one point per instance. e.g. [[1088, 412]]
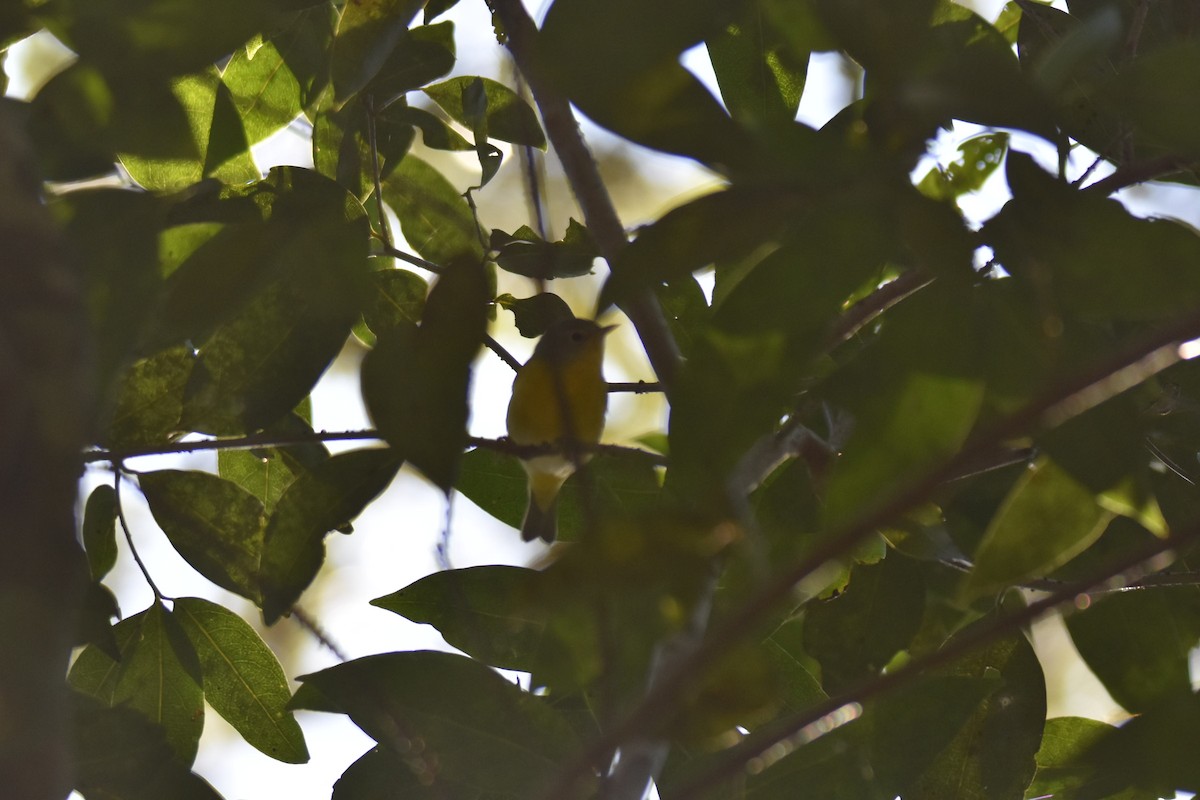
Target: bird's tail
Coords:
[[540, 523]]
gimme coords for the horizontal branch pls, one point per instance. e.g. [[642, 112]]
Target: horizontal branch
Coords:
[[1137, 172]]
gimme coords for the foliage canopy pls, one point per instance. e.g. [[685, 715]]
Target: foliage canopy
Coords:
[[894, 439]]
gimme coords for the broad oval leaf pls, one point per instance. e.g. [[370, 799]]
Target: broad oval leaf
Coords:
[[243, 681], [434, 217], [100, 530], [317, 502], [477, 728], [509, 118], [216, 525], [490, 613], [366, 35], [1047, 519]]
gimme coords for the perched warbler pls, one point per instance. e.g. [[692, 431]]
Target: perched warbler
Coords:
[[559, 397]]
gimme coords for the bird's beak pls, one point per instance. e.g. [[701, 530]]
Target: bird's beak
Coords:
[[605, 330]]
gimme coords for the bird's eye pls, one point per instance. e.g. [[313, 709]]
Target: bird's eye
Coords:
[[578, 336]]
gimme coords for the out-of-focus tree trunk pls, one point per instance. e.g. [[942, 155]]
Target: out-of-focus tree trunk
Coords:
[[42, 412]]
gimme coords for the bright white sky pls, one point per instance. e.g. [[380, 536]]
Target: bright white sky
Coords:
[[395, 539]]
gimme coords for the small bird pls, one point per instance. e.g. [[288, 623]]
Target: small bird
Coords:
[[559, 398]]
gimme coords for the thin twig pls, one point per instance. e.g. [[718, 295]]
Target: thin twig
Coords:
[[1137, 172], [856, 316], [250, 442], [383, 224], [498, 349], [638, 387], [129, 534], [310, 624], [416, 261]]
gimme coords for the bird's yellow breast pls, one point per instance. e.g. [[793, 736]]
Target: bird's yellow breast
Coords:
[[543, 390]]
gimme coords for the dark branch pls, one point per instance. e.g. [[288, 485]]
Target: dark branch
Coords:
[[1139, 172]]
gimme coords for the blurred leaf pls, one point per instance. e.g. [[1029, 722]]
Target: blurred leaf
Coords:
[[243, 681], [798, 672], [1138, 643], [525, 253], [78, 122], [216, 525], [317, 502], [978, 157], [120, 273], [434, 217], [686, 309], [1062, 769], [117, 752], [993, 755], [148, 401], [93, 624], [421, 55], [215, 136], [261, 363], [1086, 255], [855, 634], [397, 300], [643, 93], [100, 530], [497, 484], [435, 133], [367, 33], [491, 613], [509, 118], [1148, 96], [1047, 519], [475, 725], [915, 396], [416, 382], [380, 774], [533, 315], [165, 37], [760, 79]]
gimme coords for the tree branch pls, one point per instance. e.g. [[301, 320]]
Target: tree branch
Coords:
[[585, 181], [856, 316], [732, 761], [1073, 396], [1137, 172]]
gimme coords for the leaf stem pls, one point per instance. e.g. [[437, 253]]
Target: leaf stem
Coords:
[[118, 468]]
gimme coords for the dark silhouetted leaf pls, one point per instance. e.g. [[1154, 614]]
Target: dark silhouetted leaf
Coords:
[[482, 730], [216, 525], [100, 530], [761, 82], [533, 315], [317, 502], [366, 35], [526, 253]]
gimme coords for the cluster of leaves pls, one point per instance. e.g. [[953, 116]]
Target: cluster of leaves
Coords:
[[217, 297]]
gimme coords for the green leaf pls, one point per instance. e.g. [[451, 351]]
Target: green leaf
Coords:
[[525, 253], [416, 382], [1152, 753], [1086, 255], [491, 613], [216, 137], [1062, 767], [1148, 96], [993, 754], [642, 92], [435, 132], [381, 773], [855, 634], [95, 671], [686, 309], [798, 673], [116, 752], [397, 300], [93, 625], [148, 401], [1046, 520], [216, 525], [420, 56], [265, 91], [761, 81], [978, 157], [482, 730], [319, 501], [100, 530], [367, 33], [509, 118], [497, 484], [434, 217], [159, 677], [1138, 643], [260, 364], [243, 681], [166, 37], [915, 397], [267, 472], [534, 315]]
